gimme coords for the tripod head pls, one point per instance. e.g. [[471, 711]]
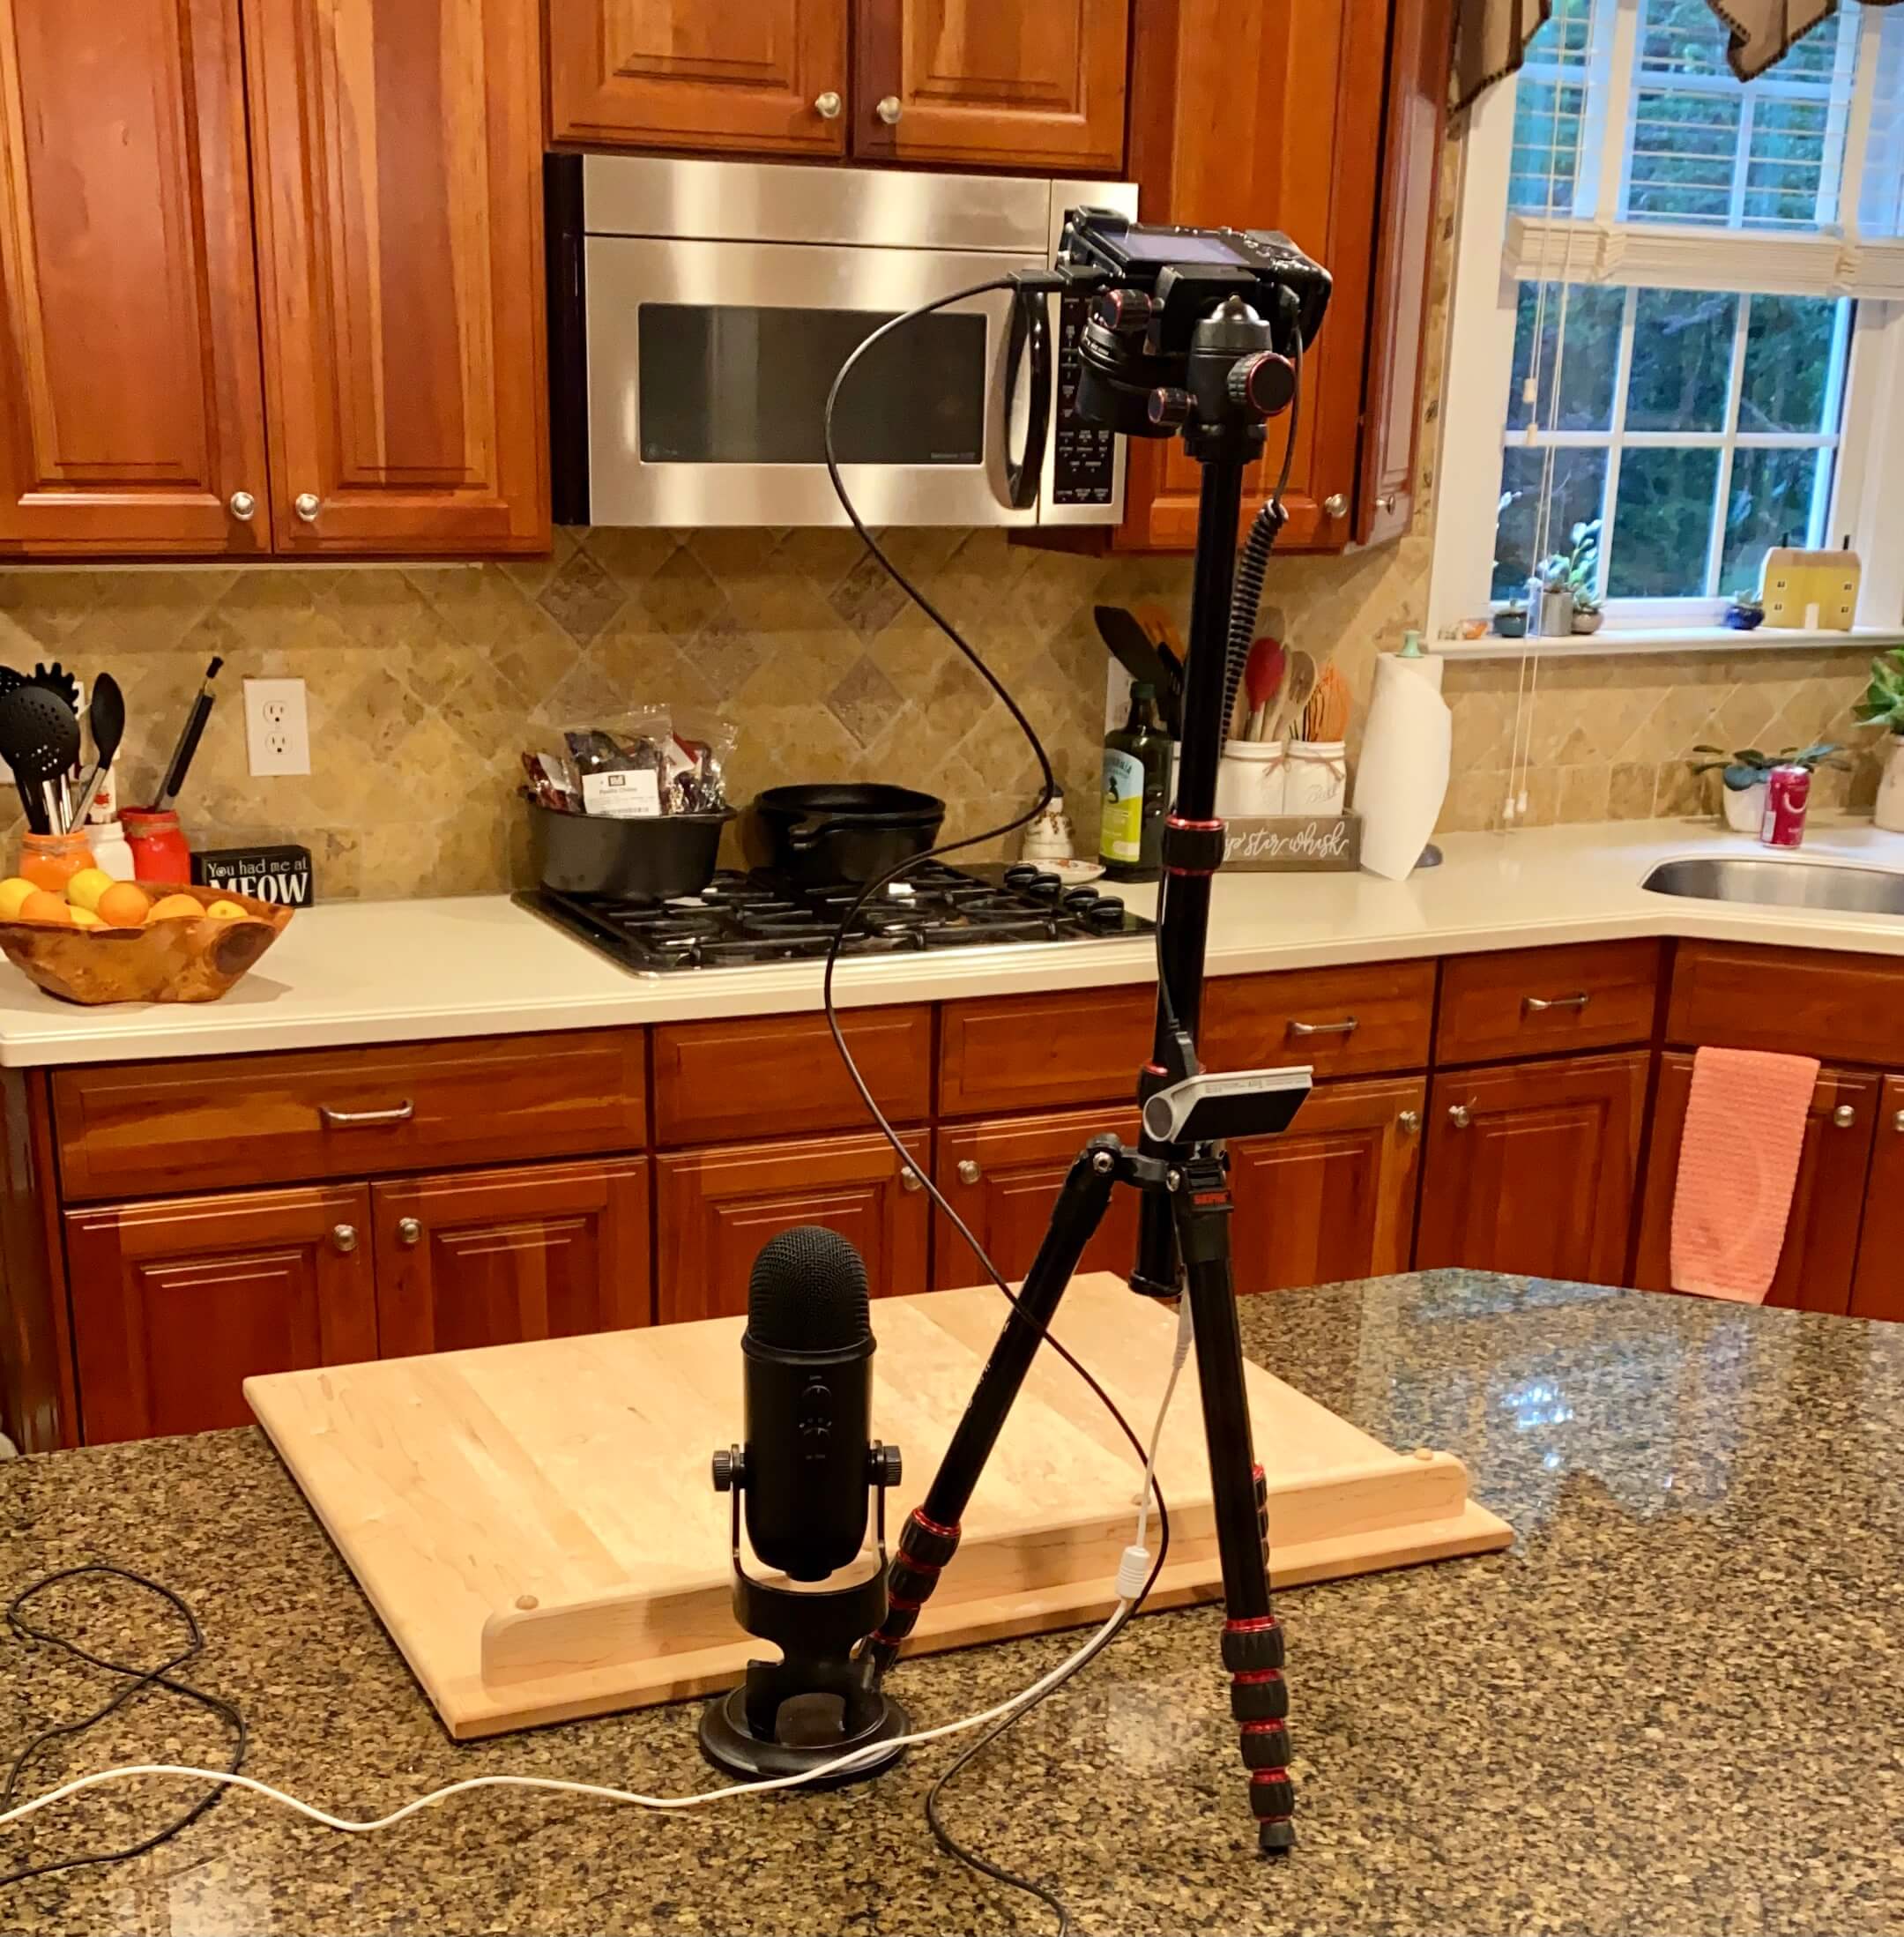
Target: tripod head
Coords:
[[1197, 331]]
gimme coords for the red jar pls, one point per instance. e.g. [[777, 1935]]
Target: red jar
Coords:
[[158, 844]]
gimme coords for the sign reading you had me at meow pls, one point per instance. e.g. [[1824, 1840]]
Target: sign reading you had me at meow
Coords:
[[1294, 844]]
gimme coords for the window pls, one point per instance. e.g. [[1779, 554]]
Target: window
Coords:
[[1676, 313]]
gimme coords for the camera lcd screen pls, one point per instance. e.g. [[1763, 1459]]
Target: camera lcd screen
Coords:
[[1191, 247]]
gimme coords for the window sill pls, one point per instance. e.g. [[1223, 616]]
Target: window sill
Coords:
[[1636, 641]]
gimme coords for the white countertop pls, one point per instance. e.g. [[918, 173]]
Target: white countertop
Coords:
[[370, 972]]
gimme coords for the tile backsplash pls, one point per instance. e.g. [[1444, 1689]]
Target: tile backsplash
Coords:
[[425, 681]]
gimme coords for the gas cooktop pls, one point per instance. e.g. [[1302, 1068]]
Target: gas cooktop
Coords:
[[741, 919]]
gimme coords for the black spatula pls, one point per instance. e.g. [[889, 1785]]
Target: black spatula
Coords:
[[39, 740]]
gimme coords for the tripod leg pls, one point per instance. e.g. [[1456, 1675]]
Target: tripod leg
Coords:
[[931, 1534], [1252, 1640]]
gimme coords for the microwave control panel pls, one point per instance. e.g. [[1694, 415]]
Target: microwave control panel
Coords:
[[1083, 468]]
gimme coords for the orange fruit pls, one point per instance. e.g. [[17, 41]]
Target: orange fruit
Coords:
[[41, 906], [126, 904], [175, 908]]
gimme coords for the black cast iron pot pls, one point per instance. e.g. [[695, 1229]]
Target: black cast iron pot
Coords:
[[818, 836]]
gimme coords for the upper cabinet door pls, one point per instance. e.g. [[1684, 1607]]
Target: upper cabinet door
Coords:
[[764, 75], [398, 184], [1422, 42], [130, 415], [1024, 86], [1266, 115]]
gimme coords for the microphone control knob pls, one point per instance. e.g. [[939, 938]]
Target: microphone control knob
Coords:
[[883, 1465], [1168, 407], [1265, 383], [727, 1469]]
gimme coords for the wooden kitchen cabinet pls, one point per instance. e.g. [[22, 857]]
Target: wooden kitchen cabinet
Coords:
[[130, 411], [699, 74], [1531, 1168], [1022, 87], [1264, 115], [1820, 1259], [397, 158], [175, 1303], [493, 1257], [715, 1209], [1332, 1197], [1003, 1177], [1877, 1288]]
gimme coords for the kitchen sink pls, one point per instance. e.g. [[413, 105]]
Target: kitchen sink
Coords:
[[1781, 884]]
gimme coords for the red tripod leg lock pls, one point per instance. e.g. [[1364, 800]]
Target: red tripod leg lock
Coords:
[[1258, 1694], [925, 1547], [1254, 1644]]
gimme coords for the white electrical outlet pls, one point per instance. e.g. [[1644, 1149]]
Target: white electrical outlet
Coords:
[[277, 728]]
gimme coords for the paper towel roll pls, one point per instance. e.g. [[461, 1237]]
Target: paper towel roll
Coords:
[[1403, 777]]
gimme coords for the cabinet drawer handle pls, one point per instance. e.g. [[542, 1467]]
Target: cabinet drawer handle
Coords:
[[1844, 1117], [1460, 1116], [408, 1231], [344, 1236], [1347, 1026], [352, 1119], [1538, 1005], [968, 1172], [1408, 1121], [909, 1179]]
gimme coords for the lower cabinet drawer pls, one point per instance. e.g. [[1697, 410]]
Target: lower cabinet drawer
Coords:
[[714, 1210], [1547, 1001], [137, 1129], [1800, 1001], [1362, 1020]]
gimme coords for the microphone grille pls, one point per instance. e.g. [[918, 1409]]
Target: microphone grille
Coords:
[[808, 1292]]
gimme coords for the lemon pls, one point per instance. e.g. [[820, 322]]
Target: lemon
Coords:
[[226, 911], [86, 887], [13, 890], [84, 918]]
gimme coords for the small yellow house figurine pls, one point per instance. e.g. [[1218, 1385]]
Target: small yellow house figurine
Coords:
[[1814, 592]]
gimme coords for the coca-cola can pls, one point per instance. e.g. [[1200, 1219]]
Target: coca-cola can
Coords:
[[1788, 790]]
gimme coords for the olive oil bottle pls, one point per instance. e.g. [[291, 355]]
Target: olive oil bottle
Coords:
[[1136, 792]]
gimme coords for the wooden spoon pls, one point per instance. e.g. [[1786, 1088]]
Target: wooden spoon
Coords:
[[1298, 683], [1262, 679]]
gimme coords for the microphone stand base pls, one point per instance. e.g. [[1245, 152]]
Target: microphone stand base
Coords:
[[731, 1745]]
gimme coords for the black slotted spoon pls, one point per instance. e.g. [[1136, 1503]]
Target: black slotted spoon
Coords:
[[39, 740]]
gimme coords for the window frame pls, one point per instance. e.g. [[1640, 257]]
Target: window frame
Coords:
[[1868, 484]]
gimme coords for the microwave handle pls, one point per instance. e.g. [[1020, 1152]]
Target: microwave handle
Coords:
[[1030, 331]]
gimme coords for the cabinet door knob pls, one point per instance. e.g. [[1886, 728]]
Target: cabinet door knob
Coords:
[[244, 506], [968, 1171], [1844, 1117], [344, 1236], [827, 106], [888, 109], [1459, 1115], [1408, 1121], [408, 1231], [1334, 505], [1389, 502], [307, 504], [1897, 1122], [909, 1179]]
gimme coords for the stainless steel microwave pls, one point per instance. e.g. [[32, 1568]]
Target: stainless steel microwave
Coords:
[[699, 312]]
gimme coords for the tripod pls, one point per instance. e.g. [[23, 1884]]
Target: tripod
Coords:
[[1218, 392]]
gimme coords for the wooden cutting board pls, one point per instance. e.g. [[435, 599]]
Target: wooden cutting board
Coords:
[[535, 1527]]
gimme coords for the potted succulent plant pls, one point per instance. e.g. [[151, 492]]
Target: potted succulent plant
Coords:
[[1743, 773], [1883, 705], [1567, 582], [1587, 616], [1510, 623]]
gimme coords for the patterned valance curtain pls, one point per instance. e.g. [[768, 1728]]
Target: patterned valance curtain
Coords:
[[1492, 35]]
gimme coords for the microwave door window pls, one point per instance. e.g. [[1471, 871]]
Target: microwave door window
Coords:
[[730, 384]]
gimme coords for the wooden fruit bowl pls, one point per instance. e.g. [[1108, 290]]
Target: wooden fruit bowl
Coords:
[[174, 961]]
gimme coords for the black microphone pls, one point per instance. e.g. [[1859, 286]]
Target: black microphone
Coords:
[[804, 1477], [808, 1352]]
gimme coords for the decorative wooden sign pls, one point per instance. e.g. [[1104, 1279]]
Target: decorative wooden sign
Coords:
[[1294, 844]]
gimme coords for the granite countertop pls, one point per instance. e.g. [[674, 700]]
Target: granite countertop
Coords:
[[1672, 1705], [357, 972]]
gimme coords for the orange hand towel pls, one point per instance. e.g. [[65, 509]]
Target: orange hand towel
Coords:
[[1744, 1131]]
